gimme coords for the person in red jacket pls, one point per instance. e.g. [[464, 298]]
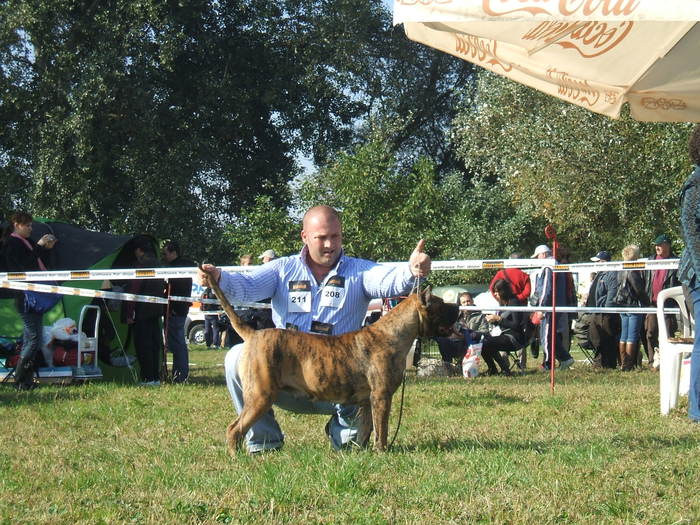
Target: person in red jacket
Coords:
[[519, 281]]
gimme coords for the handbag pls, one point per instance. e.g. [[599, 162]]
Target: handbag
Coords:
[[40, 302]]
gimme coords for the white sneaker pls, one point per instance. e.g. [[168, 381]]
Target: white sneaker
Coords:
[[149, 383], [564, 365]]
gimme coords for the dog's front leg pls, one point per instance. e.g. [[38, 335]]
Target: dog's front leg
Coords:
[[381, 406], [234, 437], [364, 424]]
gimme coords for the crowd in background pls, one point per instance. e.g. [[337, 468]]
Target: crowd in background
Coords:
[[613, 338]]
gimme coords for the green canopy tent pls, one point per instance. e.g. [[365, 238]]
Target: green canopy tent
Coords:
[[80, 249]]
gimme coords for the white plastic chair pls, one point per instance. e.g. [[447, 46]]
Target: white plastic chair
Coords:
[[671, 352]]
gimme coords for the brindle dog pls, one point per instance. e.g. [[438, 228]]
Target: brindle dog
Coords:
[[362, 368]]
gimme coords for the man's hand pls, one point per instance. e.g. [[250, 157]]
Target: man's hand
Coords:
[[207, 271], [419, 262]]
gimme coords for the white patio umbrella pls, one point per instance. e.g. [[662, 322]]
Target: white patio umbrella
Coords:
[[597, 54]]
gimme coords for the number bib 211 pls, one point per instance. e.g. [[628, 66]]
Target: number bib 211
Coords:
[[299, 298]]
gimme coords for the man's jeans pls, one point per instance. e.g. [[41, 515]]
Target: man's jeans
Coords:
[[266, 433], [694, 391], [178, 347]]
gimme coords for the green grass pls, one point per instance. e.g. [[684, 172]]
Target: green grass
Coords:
[[489, 450]]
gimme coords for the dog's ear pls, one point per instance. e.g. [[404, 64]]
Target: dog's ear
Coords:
[[425, 296]]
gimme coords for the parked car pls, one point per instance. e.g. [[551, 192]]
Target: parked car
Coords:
[[194, 323], [194, 327]]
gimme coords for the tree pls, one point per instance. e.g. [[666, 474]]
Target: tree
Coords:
[[263, 226], [171, 118], [604, 183], [385, 209]]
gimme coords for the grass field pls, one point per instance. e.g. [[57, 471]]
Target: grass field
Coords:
[[491, 450]]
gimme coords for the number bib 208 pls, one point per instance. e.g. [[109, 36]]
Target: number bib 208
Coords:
[[333, 293]]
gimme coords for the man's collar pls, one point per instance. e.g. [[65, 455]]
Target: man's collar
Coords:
[[304, 253]]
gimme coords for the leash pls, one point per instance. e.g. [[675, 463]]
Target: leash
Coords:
[[398, 423], [416, 288]]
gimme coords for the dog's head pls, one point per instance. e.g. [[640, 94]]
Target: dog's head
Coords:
[[438, 316]]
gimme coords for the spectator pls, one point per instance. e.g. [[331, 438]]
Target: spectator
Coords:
[[246, 259], [22, 254], [543, 296], [657, 280], [604, 330], [630, 291], [570, 297], [689, 266], [470, 326], [321, 265], [454, 345], [508, 332], [212, 335], [145, 318], [267, 256], [518, 279], [177, 311], [263, 316], [472, 320]]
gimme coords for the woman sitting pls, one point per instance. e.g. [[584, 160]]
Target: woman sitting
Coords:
[[507, 332]]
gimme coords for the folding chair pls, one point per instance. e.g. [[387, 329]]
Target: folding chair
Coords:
[[517, 359]]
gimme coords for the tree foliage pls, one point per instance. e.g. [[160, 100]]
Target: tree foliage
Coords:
[[603, 183], [171, 118], [385, 208], [262, 226]]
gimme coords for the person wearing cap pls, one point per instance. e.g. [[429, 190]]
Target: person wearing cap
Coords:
[[657, 280], [543, 296], [541, 252], [689, 265], [604, 328], [319, 290], [267, 256]]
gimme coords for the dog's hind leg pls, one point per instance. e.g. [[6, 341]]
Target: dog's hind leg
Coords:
[[254, 408], [364, 424], [381, 406]]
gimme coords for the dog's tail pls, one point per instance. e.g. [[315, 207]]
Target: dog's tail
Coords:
[[241, 328]]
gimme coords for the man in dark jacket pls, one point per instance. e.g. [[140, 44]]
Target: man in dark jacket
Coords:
[[145, 317], [604, 331], [657, 280], [177, 311]]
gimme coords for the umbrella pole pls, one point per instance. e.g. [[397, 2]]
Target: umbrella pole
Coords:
[[551, 234]]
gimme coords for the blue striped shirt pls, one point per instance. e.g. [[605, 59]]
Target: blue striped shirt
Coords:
[[340, 301]]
